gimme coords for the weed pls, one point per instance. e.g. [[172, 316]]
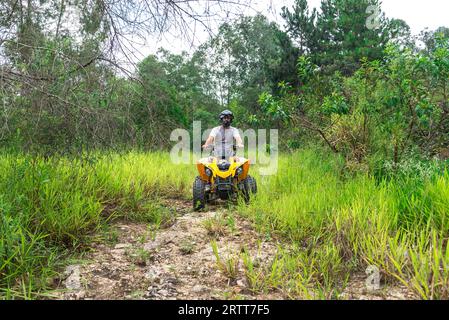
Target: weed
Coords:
[[215, 226], [229, 265]]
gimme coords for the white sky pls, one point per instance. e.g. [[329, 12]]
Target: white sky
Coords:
[[419, 14]]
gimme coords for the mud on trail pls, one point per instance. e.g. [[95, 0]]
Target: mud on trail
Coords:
[[178, 262]]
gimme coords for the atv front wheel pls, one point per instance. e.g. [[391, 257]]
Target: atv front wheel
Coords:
[[199, 194], [249, 188]]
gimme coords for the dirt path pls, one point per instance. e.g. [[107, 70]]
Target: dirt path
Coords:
[[173, 263], [178, 262]]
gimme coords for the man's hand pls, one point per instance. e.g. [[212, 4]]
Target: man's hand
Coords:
[[207, 147]]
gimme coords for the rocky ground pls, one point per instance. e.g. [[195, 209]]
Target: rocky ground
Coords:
[[178, 262], [173, 263], [357, 290]]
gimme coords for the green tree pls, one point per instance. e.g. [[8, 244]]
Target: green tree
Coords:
[[430, 38], [339, 36], [191, 78], [248, 57]]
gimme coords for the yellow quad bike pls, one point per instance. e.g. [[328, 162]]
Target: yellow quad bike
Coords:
[[222, 179]]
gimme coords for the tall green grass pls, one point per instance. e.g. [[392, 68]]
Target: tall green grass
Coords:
[[49, 205], [337, 224], [343, 224]]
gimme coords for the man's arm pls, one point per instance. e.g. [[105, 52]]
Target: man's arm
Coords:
[[209, 141], [211, 138], [238, 139]]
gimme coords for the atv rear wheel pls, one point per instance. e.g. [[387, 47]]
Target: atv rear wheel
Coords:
[[199, 194], [249, 188]]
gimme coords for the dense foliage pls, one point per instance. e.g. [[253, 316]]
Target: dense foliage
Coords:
[[389, 110], [359, 83]]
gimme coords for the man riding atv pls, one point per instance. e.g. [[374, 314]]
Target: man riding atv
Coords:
[[222, 137], [223, 176]]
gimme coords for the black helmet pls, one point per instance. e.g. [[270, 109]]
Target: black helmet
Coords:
[[224, 114]]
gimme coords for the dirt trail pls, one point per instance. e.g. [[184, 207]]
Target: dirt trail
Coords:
[[178, 262], [173, 263]]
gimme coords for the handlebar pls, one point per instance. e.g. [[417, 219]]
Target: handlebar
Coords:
[[234, 148]]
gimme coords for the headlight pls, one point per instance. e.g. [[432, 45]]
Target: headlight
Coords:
[[208, 172], [239, 171]]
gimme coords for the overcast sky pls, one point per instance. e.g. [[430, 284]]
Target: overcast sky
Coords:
[[419, 14]]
